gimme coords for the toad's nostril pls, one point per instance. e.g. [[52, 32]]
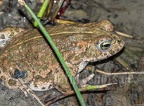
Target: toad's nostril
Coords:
[[119, 41]]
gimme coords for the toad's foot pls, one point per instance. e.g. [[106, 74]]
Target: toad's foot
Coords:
[[84, 81], [84, 86]]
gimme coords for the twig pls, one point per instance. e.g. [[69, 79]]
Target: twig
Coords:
[[123, 34], [49, 8], [120, 73], [56, 10]]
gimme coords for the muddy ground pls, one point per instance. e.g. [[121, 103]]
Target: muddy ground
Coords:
[[127, 17]]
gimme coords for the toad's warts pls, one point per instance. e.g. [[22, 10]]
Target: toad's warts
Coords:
[[78, 44]]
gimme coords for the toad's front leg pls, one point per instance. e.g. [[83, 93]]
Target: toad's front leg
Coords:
[[81, 67]]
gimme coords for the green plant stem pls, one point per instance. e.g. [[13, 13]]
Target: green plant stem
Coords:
[[72, 81], [41, 11]]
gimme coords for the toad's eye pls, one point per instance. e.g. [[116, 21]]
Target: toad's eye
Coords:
[[104, 44]]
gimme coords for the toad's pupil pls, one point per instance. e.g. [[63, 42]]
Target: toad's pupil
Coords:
[[105, 45]]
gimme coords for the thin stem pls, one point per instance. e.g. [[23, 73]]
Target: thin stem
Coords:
[[41, 11]]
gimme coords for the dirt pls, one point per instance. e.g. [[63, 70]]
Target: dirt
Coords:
[[127, 17]]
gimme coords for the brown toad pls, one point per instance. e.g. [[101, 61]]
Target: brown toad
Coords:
[[30, 53]]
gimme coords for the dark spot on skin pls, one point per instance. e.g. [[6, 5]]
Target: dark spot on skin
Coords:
[[17, 74], [38, 77], [20, 74], [119, 41], [43, 88], [3, 78], [12, 82]]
